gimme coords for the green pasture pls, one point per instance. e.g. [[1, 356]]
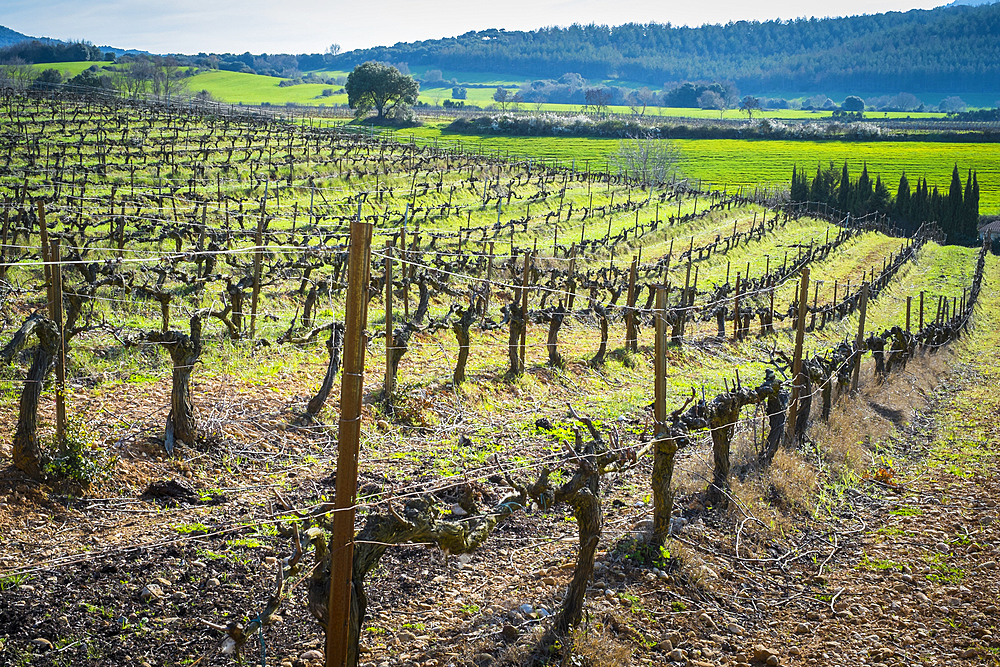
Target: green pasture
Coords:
[[238, 88], [69, 69], [736, 162]]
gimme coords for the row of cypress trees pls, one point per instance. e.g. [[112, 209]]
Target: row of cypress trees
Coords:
[[957, 211]]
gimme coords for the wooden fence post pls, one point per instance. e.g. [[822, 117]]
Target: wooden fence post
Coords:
[[800, 332], [489, 279], [571, 282], [921, 323], [861, 336], [56, 313], [258, 240], [43, 236], [660, 363], [663, 454], [3, 240], [525, 276], [631, 333], [736, 310], [390, 378], [348, 441], [909, 304]]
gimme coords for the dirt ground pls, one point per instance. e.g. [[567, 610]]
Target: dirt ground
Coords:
[[895, 566]]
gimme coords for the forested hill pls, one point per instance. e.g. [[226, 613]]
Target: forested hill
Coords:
[[947, 50], [9, 37]]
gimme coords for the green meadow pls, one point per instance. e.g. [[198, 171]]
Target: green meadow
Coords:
[[238, 88], [736, 162]]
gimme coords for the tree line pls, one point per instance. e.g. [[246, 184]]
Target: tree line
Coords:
[[949, 49], [957, 211], [36, 51]]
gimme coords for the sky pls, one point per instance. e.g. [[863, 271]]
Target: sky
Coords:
[[310, 26]]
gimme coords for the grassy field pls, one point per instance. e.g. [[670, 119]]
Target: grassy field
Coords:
[[738, 162], [237, 88]]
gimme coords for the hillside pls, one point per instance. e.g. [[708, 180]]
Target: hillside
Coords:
[[948, 49], [10, 37]]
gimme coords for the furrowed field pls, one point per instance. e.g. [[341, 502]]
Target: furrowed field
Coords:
[[604, 427]]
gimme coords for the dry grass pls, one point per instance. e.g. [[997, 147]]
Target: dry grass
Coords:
[[598, 646]]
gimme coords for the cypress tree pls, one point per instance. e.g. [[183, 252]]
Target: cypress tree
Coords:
[[970, 212], [935, 211], [863, 192], [918, 204], [819, 192], [800, 186], [903, 207], [844, 197], [951, 215], [881, 198]]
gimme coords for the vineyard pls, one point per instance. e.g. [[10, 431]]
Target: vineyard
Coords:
[[568, 381]]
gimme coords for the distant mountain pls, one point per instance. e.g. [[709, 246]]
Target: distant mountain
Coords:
[[971, 3], [950, 50], [10, 37]]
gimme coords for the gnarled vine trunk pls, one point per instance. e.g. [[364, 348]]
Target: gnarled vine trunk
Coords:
[[556, 318], [184, 350], [602, 316], [334, 345], [516, 324], [27, 452], [461, 328]]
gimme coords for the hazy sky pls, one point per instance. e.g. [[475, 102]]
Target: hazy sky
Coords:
[[309, 26]]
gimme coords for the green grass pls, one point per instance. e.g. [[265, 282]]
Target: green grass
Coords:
[[738, 162], [69, 68], [237, 88]]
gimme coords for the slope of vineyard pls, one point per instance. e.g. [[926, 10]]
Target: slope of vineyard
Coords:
[[209, 243]]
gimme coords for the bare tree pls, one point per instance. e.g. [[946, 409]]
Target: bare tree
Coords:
[[598, 99], [15, 73], [638, 100], [538, 99], [167, 81], [652, 161], [502, 97], [748, 105], [134, 78], [713, 100]]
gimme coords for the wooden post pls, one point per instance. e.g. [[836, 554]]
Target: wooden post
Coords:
[[258, 240], [56, 314], [390, 379], [571, 282], [489, 279], [861, 336], [660, 363], [736, 310], [406, 265], [770, 315], [909, 302], [43, 236], [631, 339], [800, 332], [524, 308], [3, 241], [921, 321], [348, 441]]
